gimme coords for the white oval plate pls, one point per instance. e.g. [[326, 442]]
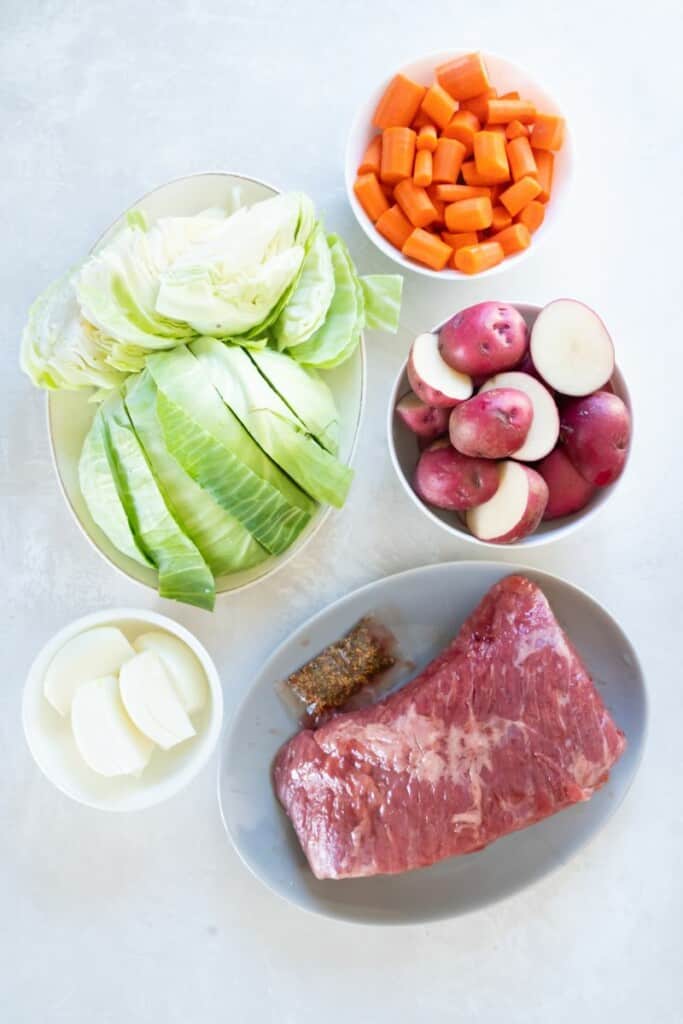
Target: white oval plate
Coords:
[[425, 608], [70, 414]]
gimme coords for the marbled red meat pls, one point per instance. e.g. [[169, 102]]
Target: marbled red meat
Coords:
[[501, 730]]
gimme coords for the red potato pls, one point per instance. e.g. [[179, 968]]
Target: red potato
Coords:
[[596, 432], [492, 424], [484, 339], [433, 380], [545, 423], [571, 348], [447, 479], [516, 508], [568, 492], [426, 421]]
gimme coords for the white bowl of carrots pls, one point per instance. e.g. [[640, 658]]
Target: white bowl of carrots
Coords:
[[458, 165]]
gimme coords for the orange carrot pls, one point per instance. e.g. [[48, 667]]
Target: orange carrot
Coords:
[[490, 157], [415, 203], [398, 154], [479, 105], [548, 132], [440, 208], [521, 158], [471, 175], [448, 157], [501, 111], [460, 239], [399, 104], [438, 105], [464, 77], [427, 248], [394, 226], [518, 195], [420, 120], [494, 192], [373, 155], [472, 259], [513, 239], [469, 214], [498, 128], [544, 175], [515, 129], [501, 218], [454, 193], [370, 195], [463, 126], [514, 95], [532, 215], [422, 171], [426, 138], [388, 191]]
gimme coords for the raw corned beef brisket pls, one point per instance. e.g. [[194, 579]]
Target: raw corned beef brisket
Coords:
[[501, 730]]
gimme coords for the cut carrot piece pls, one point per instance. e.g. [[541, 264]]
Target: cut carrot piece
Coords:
[[532, 215], [370, 195], [415, 203], [490, 157], [373, 154], [464, 77], [460, 239], [438, 105], [479, 105], [428, 249], [394, 226], [448, 157], [521, 158], [422, 171], [463, 126], [518, 195], [514, 95], [513, 239], [426, 138], [469, 214], [515, 130], [548, 132], [454, 193], [419, 121], [398, 154], [545, 162], [501, 111], [472, 259], [498, 128], [501, 218], [399, 104], [471, 175]]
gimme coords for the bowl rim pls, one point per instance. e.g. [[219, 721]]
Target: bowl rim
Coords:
[[448, 274], [324, 511], [566, 524], [176, 781]]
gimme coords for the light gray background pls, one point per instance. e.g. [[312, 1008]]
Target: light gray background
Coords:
[[152, 917]]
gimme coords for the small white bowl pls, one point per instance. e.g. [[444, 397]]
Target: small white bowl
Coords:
[[69, 414], [405, 453], [51, 743], [505, 76]]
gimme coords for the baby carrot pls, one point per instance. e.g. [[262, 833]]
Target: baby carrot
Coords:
[[463, 126], [394, 226], [399, 104], [370, 195], [490, 157], [415, 203], [472, 259], [500, 111], [518, 195], [513, 239], [479, 105], [373, 155], [463, 77], [472, 176], [544, 173], [521, 158], [532, 215], [500, 219], [548, 132], [427, 249], [454, 193], [469, 214], [422, 171], [460, 239], [398, 154], [448, 157], [515, 129], [498, 128], [438, 105], [426, 138]]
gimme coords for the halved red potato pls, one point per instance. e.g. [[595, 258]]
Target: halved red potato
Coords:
[[447, 479], [426, 421], [571, 349], [568, 492], [516, 508], [545, 423], [433, 380]]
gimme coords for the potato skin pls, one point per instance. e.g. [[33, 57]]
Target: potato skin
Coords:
[[492, 424], [427, 422], [484, 339], [568, 492], [595, 432], [449, 480]]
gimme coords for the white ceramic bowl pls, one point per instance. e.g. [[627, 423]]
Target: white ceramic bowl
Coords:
[[51, 742], [405, 453], [505, 76], [69, 414]]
